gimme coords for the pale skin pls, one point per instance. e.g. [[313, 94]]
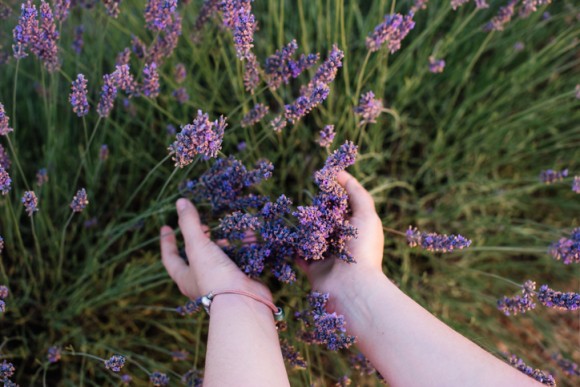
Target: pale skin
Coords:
[[406, 343]]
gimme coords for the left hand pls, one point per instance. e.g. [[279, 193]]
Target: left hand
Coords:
[[209, 268]]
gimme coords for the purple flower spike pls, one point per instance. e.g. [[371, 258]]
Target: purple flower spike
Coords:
[[179, 73], [80, 201], [181, 95], [558, 300], [369, 108], [124, 80], [503, 17], [158, 379], [53, 355], [6, 370], [278, 124], [3, 289], [326, 72], [4, 127], [5, 161], [458, 3], [41, 177], [436, 65], [201, 137], [44, 42], [159, 14], [238, 17], [115, 363], [61, 9], [436, 242], [575, 183], [419, 5], [5, 181], [126, 379], [567, 365], [104, 152], [25, 30], [112, 7], [391, 31], [30, 202], [251, 73], [519, 304], [255, 115], [78, 42], [567, 250], [539, 375], [305, 103], [292, 356], [78, 96], [326, 136], [150, 80], [550, 176], [108, 95]]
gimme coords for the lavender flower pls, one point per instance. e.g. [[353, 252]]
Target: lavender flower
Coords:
[[3, 289], [123, 57], [242, 146], [1, 244], [108, 95], [326, 136], [150, 80], [358, 362], [436, 65], [30, 202], [481, 4], [192, 378], [6, 370], [238, 17], [251, 73], [41, 177], [558, 300], [126, 379], [179, 355], [61, 9], [138, 47], [419, 5], [80, 201], [207, 10], [503, 17], [5, 161], [305, 103], [179, 73], [436, 242], [458, 3], [235, 225], [4, 128], [278, 124], [391, 31], [171, 130], [5, 181], [202, 137], [292, 356], [115, 363], [575, 182], [124, 80], [369, 108], [567, 365], [539, 375], [78, 96], [2, 310], [54, 354], [181, 95], [550, 176], [530, 6], [25, 30], [344, 381], [519, 304], [159, 379], [104, 152], [112, 7], [78, 42], [44, 41], [255, 115], [159, 14], [5, 11], [326, 72], [281, 66], [90, 223], [519, 46], [567, 249], [190, 307], [166, 41]]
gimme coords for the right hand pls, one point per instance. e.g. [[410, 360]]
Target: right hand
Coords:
[[330, 274]]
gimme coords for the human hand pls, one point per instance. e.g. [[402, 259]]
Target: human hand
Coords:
[[209, 268], [367, 248]]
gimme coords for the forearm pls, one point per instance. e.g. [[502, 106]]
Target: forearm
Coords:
[[408, 345], [243, 346]]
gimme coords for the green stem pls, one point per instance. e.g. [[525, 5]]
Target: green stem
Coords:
[[144, 181], [17, 162], [61, 251]]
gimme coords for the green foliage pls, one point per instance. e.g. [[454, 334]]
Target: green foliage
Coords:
[[460, 152]]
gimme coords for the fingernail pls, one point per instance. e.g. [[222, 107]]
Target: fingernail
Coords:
[[181, 204]]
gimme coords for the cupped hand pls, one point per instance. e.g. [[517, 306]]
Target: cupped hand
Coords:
[[367, 247], [209, 268]]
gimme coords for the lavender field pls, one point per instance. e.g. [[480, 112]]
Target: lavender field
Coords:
[[461, 118]]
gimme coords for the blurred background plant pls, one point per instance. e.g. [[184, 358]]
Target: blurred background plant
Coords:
[[470, 119]]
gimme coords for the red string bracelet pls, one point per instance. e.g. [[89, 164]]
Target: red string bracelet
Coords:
[[208, 298]]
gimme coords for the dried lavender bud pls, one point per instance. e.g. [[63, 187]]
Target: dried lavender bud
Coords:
[[391, 31], [150, 80], [201, 137], [80, 201], [558, 300], [4, 128], [326, 136], [30, 202], [5, 181], [326, 72], [78, 96], [567, 249], [276, 67], [436, 65], [53, 354], [235, 225], [550, 176], [41, 177], [158, 379], [369, 108], [539, 375], [436, 242], [255, 115], [115, 363]]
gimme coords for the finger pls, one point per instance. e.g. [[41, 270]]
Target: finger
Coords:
[[170, 255], [360, 199], [189, 223]]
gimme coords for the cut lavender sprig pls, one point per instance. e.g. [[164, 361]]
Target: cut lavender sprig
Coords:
[[539, 375], [115, 363], [436, 242], [567, 250], [558, 300], [519, 304]]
